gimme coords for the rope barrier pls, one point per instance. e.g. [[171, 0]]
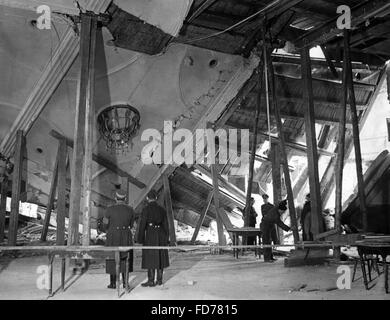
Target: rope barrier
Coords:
[[183, 247]]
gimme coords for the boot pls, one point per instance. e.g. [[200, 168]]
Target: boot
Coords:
[[150, 282], [112, 284], [159, 276]]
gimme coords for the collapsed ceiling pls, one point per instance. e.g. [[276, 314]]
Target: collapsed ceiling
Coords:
[[197, 69]]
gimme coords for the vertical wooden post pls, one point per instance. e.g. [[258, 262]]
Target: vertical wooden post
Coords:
[[254, 144], [16, 187], [341, 146], [276, 180], [168, 205], [51, 198], [356, 139], [61, 192], [79, 161], [88, 134], [3, 206], [311, 142], [221, 236], [283, 153], [202, 216]]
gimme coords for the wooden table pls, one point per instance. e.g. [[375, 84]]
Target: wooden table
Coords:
[[366, 247], [245, 232]]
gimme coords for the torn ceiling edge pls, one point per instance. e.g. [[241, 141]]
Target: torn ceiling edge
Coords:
[[215, 109], [167, 15]]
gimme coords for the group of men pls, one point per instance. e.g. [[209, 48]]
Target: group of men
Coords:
[[153, 231], [270, 219]]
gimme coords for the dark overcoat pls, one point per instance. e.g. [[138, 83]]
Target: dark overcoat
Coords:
[[120, 221], [153, 231]]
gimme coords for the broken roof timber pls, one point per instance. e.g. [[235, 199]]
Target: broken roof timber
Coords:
[[317, 62], [329, 30]]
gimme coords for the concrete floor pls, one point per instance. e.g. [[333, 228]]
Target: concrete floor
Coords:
[[214, 277]]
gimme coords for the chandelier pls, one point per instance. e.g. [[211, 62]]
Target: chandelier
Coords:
[[118, 124]]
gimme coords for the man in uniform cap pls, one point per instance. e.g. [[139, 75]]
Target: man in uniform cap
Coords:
[[268, 222], [153, 231], [265, 208], [119, 220]]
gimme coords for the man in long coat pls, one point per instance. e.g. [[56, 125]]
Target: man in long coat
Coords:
[[252, 220], [153, 231], [119, 220], [265, 208]]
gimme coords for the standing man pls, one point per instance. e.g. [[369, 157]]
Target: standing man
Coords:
[[306, 220], [268, 222], [119, 220], [265, 208], [252, 220], [153, 231]]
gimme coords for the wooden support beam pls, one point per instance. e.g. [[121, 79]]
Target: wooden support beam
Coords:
[[16, 187], [221, 236], [341, 147], [202, 216], [61, 191], [168, 205], [85, 85], [283, 154], [51, 198], [103, 162], [254, 145], [356, 139], [89, 125], [3, 206], [311, 142]]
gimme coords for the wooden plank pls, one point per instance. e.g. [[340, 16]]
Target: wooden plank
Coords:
[[51, 198], [168, 206], [356, 139], [3, 206], [341, 147], [221, 236], [290, 196], [254, 144], [311, 142], [202, 216], [103, 162], [88, 131], [16, 187], [61, 192], [78, 151]]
